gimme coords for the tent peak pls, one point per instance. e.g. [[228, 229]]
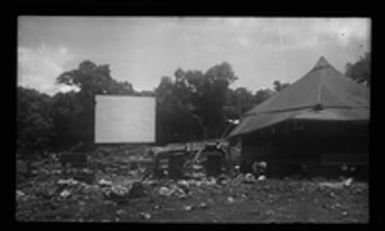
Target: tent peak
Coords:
[[322, 62]]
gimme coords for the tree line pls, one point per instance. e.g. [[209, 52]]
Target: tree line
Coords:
[[191, 105]]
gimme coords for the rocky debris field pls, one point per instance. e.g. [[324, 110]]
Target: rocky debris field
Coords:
[[111, 192]]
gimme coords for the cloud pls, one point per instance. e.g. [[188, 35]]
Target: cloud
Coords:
[[301, 33], [39, 67], [293, 33]]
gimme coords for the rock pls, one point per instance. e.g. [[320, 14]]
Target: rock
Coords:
[[261, 178], [333, 185], [344, 213], [164, 191], [237, 180], [230, 199], [203, 205], [223, 179], [184, 185], [222, 176], [332, 195], [270, 213], [198, 183], [210, 181], [103, 182], [109, 203], [145, 216], [198, 175], [311, 219], [224, 182], [262, 164], [93, 191], [348, 182], [57, 171], [249, 178], [69, 181], [172, 190], [65, 193], [81, 203], [197, 167], [188, 208], [19, 193], [182, 197], [119, 190], [120, 212]]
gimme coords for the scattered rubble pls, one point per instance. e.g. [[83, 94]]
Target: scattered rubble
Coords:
[[116, 189]]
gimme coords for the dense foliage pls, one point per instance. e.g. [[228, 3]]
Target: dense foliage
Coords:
[[191, 105], [360, 70], [34, 120]]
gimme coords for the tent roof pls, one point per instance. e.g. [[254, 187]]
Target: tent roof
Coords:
[[323, 93]]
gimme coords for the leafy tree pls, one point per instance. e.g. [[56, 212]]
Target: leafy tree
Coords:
[[146, 93], [174, 120], [263, 94], [278, 86], [214, 97], [245, 98], [192, 105], [94, 79], [360, 71], [241, 100], [34, 120], [206, 94], [66, 113], [91, 79], [165, 108]]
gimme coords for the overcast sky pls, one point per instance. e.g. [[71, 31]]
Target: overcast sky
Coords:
[[141, 50]]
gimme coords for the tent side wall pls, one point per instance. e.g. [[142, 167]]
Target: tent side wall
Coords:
[[322, 147]]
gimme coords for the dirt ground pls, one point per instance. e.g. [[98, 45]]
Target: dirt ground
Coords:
[[51, 196], [261, 202]]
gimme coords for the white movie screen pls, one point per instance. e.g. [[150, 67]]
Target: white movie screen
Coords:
[[124, 119]]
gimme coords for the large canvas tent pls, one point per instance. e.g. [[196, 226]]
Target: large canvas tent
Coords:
[[323, 87], [321, 114]]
